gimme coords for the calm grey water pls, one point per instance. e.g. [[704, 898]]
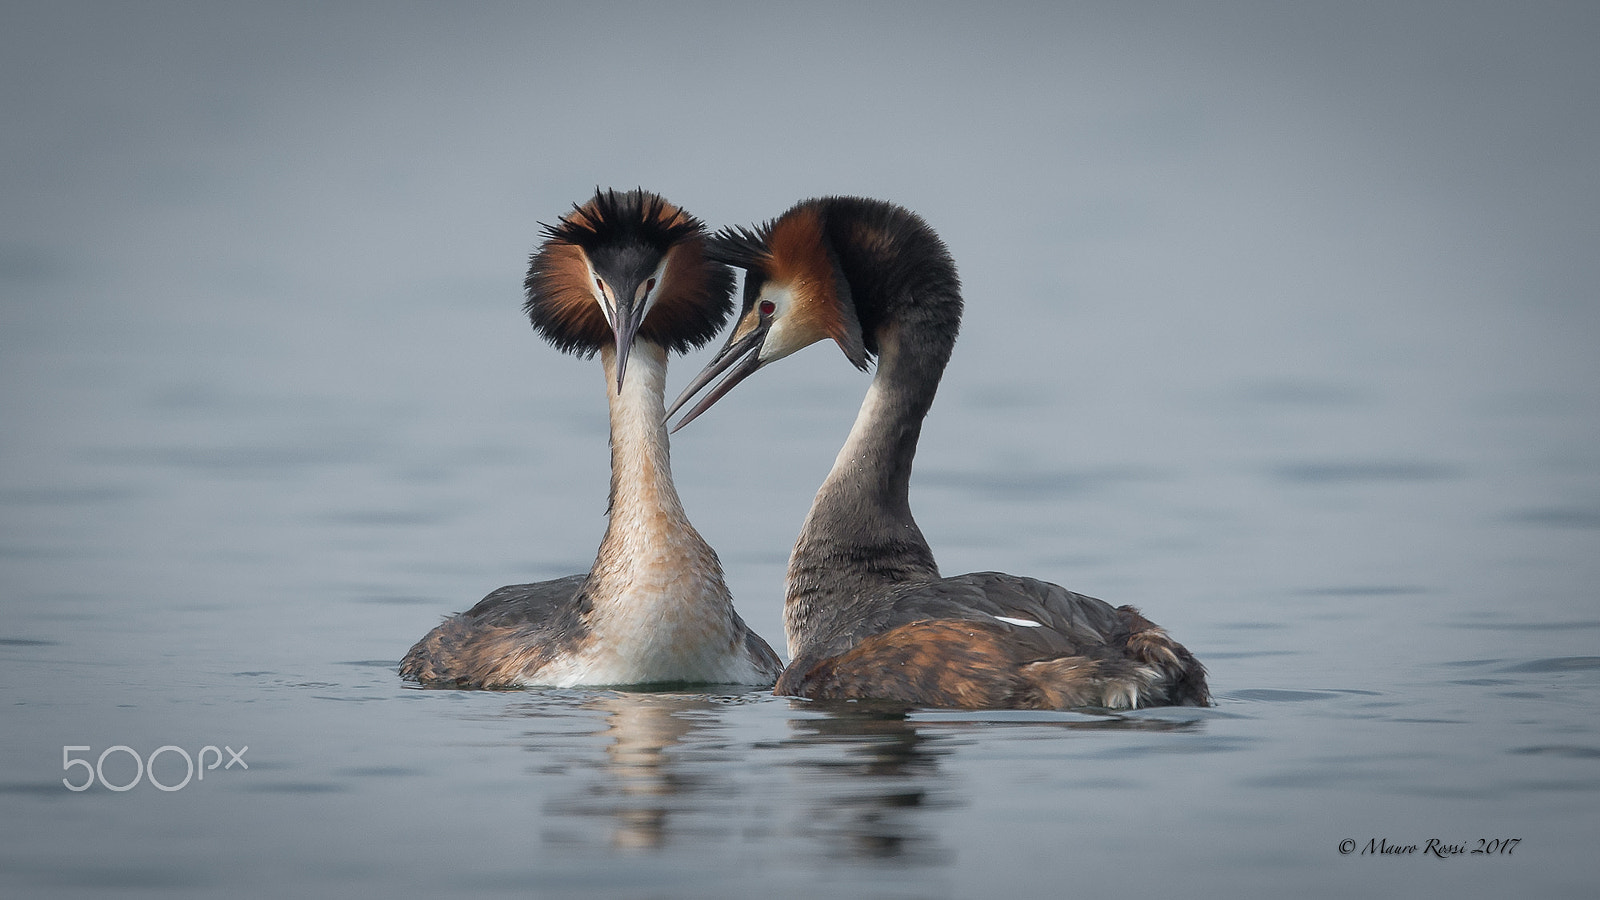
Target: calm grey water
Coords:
[[1281, 326]]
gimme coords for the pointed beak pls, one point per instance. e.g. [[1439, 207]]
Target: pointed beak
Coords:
[[739, 358], [626, 327]]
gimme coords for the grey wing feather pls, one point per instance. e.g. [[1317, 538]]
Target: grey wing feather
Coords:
[[533, 604], [514, 626]]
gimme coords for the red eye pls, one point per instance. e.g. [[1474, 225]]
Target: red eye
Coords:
[[649, 285], [600, 284], [767, 307]]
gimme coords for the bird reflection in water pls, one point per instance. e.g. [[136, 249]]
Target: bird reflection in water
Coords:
[[643, 728], [645, 784], [859, 780], [668, 776], [871, 800]]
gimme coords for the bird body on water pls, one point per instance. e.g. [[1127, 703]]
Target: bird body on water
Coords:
[[866, 611], [625, 276]]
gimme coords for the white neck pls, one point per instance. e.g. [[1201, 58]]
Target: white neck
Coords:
[[659, 609], [643, 499]]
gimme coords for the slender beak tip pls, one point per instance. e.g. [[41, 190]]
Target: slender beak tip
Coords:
[[622, 366], [735, 361], [688, 417]]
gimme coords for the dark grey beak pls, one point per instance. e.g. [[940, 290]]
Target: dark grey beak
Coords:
[[626, 328], [739, 358]]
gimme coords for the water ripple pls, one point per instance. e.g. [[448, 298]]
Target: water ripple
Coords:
[[1557, 664], [1271, 695], [1307, 394], [1362, 472], [1529, 626], [296, 787], [1035, 485], [1569, 751], [1366, 590], [1559, 517]]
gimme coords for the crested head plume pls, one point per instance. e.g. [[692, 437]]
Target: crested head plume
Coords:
[[743, 248], [692, 302], [887, 258], [636, 216]]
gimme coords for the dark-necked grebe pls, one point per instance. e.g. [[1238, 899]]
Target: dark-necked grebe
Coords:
[[866, 611], [624, 272]]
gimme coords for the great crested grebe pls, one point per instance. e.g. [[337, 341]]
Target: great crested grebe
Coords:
[[624, 272], [866, 611]]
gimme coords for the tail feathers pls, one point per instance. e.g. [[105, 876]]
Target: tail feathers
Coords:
[[1074, 681], [1154, 670], [1182, 677]]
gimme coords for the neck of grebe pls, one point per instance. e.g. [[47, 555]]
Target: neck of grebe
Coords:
[[648, 529], [657, 606], [860, 537]]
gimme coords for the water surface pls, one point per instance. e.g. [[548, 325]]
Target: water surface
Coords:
[[1280, 326]]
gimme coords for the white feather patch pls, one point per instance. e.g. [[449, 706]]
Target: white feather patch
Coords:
[[1026, 623]]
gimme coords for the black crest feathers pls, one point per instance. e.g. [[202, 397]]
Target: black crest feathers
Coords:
[[891, 261], [743, 248], [692, 302]]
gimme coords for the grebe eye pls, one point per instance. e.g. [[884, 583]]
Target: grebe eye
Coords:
[[649, 285], [768, 307], [600, 284]]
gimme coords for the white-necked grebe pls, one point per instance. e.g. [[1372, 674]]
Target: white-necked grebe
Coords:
[[866, 611], [625, 275]]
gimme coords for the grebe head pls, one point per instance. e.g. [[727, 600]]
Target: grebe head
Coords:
[[624, 266], [796, 293]]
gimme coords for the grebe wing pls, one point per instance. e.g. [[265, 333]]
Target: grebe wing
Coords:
[[506, 633], [1044, 620], [533, 604], [989, 639]]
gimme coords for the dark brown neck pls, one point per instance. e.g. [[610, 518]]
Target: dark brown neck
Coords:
[[860, 537]]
